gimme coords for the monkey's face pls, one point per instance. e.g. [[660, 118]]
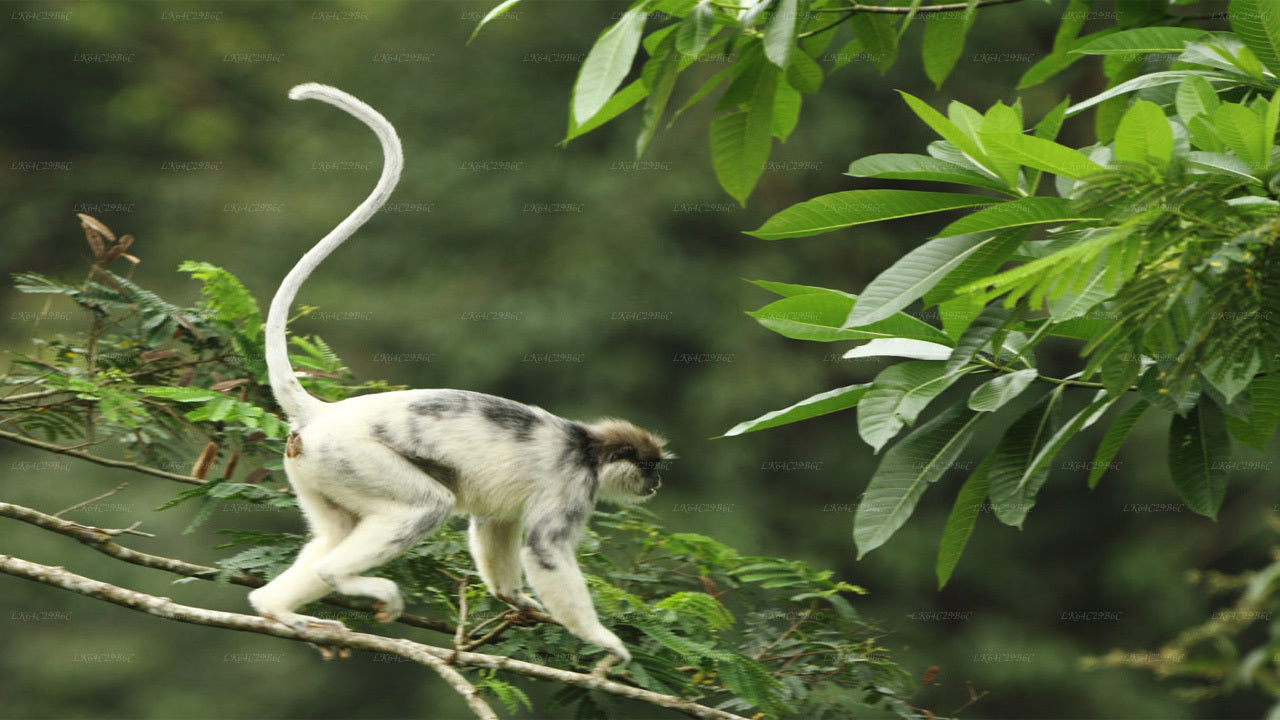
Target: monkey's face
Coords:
[[626, 478], [629, 461]]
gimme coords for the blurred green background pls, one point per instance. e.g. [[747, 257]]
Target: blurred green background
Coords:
[[571, 278]]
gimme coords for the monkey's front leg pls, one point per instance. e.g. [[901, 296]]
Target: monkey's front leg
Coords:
[[495, 547], [552, 569]]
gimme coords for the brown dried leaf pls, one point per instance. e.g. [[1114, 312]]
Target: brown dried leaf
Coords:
[[255, 436], [115, 252], [89, 222], [185, 379], [131, 258], [204, 463], [125, 241], [257, 475], [228, 384], [231, 466]]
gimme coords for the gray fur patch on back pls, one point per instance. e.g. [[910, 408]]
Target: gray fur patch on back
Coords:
[[440, 405], [443, 472], [511, 416]]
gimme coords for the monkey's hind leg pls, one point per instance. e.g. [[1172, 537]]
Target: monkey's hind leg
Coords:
[[399, 505], [299, 584], [495, 547]]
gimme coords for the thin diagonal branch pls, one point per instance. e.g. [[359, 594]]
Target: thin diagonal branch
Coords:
[[430, 655], [165, 608], [103, 542], [50, 447]]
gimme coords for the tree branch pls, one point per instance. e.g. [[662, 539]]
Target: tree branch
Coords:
[[50, 447], [101, 540], [434, 657]]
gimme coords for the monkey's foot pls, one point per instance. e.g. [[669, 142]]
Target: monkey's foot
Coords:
[[301, 623], [327, 652], [387, 612]]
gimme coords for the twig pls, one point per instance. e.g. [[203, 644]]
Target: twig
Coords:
[[429, 655], [460, 632], [502, 627], [104, 495], [50, 447], [907, 10], [101, 541]]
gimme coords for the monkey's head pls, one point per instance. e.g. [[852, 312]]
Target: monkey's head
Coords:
[[629, 460]]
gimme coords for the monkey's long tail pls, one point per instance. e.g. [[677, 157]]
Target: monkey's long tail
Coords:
[[291, 396]]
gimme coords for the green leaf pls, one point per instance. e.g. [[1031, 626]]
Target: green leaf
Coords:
[[907, 166], [791, 289], [901, 348], [804, 73], [1257, 23], [820, 404], [1141, 41], [855, 207], [1264, 414], [695, 29], [998, 391], [659, 76], [944, 36], [945, 127], [1241, 131], [1198, 453], [964, 515], [622, 101], [819, 317], [1013, 456], [1195, 96], [1142, 82], [897, 397], [1038, 471], [878, 36], [1015, 213], [976, 336], [780, 33], [607, 64], [498, 11], [741, 141], [1113, 440], [906, 471], [786, 110], [1041, 154], [1073, 19], [1001, 118], [910, 277], [1144, 136]]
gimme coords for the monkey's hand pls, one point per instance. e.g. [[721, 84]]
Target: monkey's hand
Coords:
[[522, 602], [300, 624]]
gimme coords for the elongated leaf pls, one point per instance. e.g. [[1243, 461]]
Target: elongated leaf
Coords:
[[804, 73], [791, 289], [1140, 41], [695, 29], [607, 64], [1038, 471], [984, 261], [818, 317], [1195, 96], [780, 33], [910, 277], [1015, 213], [741, 141], [1198, 454], [659, 77], [855, 207], [906, 166], [1264, 413], [1113, 440], [1144, 136], [1013, 456], [976, 336], [1241, 131], [902, 348], [1073, 19], [820, 404], [878, 38], [964, 515], [897, 397], [498, 11], [622, 101], [906, 471], [945, 127], [998, 391], [1257, 23], [786, 109], [1149, 80], [1041, 154], [944, 37]]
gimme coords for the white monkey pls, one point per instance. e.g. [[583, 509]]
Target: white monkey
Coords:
[[377, 473]]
